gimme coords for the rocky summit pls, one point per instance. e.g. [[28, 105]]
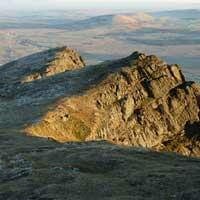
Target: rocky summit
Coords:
[[138, 101], [103, 131]]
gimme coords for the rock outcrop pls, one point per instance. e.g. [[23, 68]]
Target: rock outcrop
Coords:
[[41, 65], [62, 60], [136, 101]]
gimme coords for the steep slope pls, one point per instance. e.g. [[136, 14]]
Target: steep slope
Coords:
[[147, 103], [134, 101], [41, 65]]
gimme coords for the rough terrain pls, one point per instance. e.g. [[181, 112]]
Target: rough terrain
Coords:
[[38, 169], [135, 102]]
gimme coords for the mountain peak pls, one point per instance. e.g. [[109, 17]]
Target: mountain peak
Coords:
[[139, 100], [56, 61], [41, 65]]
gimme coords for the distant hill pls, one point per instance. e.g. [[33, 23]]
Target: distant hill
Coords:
[[172, 35], [134, 21], [179, 14], [129, 21]]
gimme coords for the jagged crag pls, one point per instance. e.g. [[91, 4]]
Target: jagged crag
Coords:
[[138, 101]]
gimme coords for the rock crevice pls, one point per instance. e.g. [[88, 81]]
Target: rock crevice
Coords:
[[145, 103], [136, 101]]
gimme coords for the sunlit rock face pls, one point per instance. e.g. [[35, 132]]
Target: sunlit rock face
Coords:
[[58, 61], [41, 65], [135, 101]]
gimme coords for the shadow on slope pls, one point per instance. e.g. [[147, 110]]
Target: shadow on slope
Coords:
[[193, 130], [40, 64], [35, 168], [85, 117], [25, 103]]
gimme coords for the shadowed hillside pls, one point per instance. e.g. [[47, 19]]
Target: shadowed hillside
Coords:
[[136, 101]]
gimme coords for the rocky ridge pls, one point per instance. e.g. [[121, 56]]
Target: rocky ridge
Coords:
[[41, 65], [94, 103], [64, 59], [137, 101]]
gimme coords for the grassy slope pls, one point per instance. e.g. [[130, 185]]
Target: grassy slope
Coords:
[[33, 168]]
